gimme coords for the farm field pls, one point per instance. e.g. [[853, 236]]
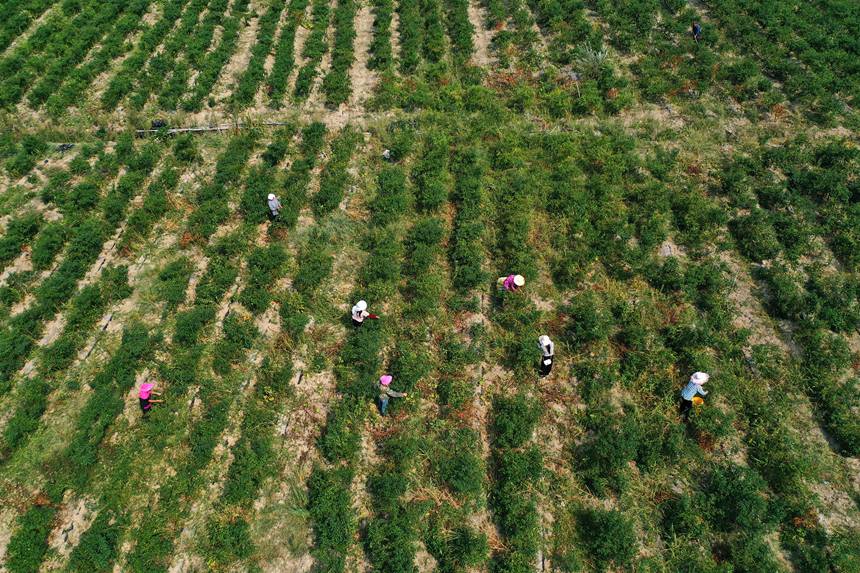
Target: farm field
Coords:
[[675, 204]]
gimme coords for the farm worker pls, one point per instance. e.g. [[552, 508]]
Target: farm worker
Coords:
[[274, 206], [547, 348], [385, 393], [688, 394], [146, 390], [386, 155], [359, 313], [697, 31], [511, 283]]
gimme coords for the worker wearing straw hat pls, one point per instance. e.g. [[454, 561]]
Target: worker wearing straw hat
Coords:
[[386, 393], [146, 390], [511, 283], [274, 206], [690, 391]]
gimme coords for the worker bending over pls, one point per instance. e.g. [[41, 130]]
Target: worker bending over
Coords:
[[359, 313], [688, 394], [146, 390], [511, 283]]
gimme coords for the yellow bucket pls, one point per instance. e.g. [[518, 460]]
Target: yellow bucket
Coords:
[[698, 401]]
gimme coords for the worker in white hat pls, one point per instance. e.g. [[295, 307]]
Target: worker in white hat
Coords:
[[547, 349], [511, 283], [359, 313], [693, 387], [274, 206]]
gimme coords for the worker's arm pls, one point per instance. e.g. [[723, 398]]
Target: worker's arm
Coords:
[[701, 391], [394, 394]]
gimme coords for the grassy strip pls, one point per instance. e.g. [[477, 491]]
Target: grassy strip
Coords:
[[314, 49], [210, 69], [336, 84], [466, 252], [73, 466], [285, 57], [255, 71], [123, 80], [20, 158]]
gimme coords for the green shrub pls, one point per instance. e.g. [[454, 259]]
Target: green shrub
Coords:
[[608, 537], [173, 282], [514, 420], [589, 319], [341, 439], [28, 544], [18, 232], [459, 466], [392, 199], [330, 507], [265, 266], [239, 335], [315, 265], [737, 498], [602, 459], [98, 547], [185, 149], [755, 235]]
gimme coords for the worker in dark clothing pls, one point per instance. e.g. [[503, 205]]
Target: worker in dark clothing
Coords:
[[547, 349], [697, 31]]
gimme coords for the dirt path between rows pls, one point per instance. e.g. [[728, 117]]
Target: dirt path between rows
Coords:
[[363, 79]]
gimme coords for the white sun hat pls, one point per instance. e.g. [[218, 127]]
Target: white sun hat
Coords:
[[361, 305], [519, 280], [271, 196], [544, 340], [700, 377]]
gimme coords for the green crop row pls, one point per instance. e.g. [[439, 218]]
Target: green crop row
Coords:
[[565, 24], [466, 252], [334, 178], [460, 30], [58, 98], [88, 305], [515, 467], [17, 18], [155, 205], [805, 47], [159, 66], [215, 61], [87, 236], [109, 17], [285, 57], [411, 32], [433, 47], [19, 232], [212, 209], [314, 49], [296, 182], [197, 48], [430, 174], [336, 84], [21, 157], [227, 537], [71, 468], [123, 80], [255, 72], [381, 56], [49, 44]]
